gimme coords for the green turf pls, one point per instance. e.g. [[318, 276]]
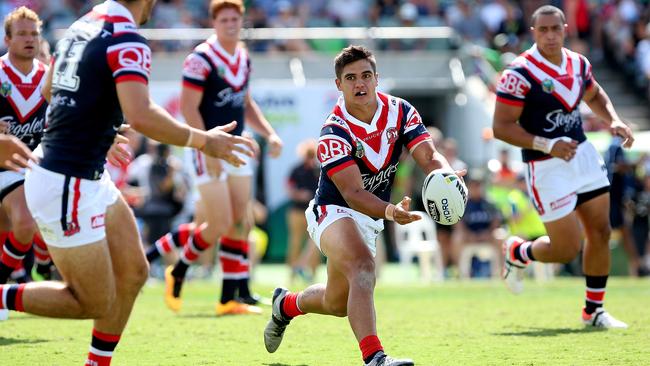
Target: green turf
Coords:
[[455, 323]]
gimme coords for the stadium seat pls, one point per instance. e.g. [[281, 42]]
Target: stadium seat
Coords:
[[419, 239], [484, 252]]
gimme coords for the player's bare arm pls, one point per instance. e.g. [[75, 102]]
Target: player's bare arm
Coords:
[[348, 181], [429, 159], [255, 118], [153, 121], [190, 102], [507, 129], [599, 102]]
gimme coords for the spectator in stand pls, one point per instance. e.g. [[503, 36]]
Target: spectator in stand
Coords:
[[288, 18], [450, 151], [466, 20], [480, 221]]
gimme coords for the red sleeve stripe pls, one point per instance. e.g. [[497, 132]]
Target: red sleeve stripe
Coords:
[[516, 103], [338, 168], [416, 141], [191, 85], [132, 77]]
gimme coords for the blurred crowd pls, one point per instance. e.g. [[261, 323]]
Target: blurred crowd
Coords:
[[618, 30]]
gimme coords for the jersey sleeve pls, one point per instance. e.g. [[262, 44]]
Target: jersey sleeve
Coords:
[[195, 71], [414, 131], [512, 88], [334, 150], [129, 58], [587, 75]]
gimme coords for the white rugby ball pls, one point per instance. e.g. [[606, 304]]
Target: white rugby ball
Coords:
[[444, 196]]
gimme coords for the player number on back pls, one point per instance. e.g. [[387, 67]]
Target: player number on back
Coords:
[[65, 77]]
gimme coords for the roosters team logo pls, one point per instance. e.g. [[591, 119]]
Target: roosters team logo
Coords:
[[392, 135]]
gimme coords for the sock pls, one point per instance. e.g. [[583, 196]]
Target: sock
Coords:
[[12, 256], [177, 238], [11, 297], [231, 257], [524, 252], [369, 346], [190, 254], [289, 306], [244, 269], [595, 292], [101, 348]]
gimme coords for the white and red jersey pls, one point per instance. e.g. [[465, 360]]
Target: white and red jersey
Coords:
[[549, 94], [223, 78], [22, 105], [375, 148]]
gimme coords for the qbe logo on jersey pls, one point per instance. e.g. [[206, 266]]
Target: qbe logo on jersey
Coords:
[[332, 148]]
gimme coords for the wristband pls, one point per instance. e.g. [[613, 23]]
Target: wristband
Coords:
[[390, 210], [543, 144], [191, 140]]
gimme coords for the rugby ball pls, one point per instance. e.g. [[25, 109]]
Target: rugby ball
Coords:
[[444, 196]]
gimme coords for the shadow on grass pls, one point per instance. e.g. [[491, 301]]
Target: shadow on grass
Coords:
[[282, 364], [9, 341], [548, 332]]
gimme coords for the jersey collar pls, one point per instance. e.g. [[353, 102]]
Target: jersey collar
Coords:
[[561, 70], [372, 126], [112, 8]]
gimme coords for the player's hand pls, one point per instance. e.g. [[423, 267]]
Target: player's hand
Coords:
[[275, 145], [618, 128], [564, 150], [402, 215], [117, 154], [5, 127], [220, 144], [14, 155]]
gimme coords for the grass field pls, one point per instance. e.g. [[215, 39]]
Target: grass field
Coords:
[[454, 323]]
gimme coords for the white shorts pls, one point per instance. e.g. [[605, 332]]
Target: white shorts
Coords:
[[320, 217], [9, 181], [200, 171], [69, 211], [554, 184]]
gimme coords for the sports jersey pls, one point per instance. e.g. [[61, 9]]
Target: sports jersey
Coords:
[[22, 105], [375, 148], [223, 79], [98, 51], [549, 95]]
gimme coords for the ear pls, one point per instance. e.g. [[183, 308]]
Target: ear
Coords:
[[338, 84], [376, 79]]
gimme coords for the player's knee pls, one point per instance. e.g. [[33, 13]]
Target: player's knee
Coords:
[[24, 228], [601, 234], [136, 276]]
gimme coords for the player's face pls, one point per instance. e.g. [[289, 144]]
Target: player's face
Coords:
[[227, 24], [24, 40], [148, 9], [548, 32], [358, 83]]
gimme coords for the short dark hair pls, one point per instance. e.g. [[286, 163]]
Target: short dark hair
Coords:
[[351, 54], [546, 10]]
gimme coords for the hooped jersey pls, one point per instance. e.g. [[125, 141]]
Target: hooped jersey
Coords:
[[22, 105], [549, 95], [223, 78], [97, 52], [375, 148]]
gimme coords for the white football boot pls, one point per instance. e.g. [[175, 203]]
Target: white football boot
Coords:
[[602, 319], [513, 269]]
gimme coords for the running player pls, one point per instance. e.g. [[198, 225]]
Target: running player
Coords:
[[100, 75], [359, 149], [537, 109], [216, 91]]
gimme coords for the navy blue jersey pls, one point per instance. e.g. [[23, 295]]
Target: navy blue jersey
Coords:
[[98, 51], [223, 79], [549, 95], [22, 106], [375, 148]]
